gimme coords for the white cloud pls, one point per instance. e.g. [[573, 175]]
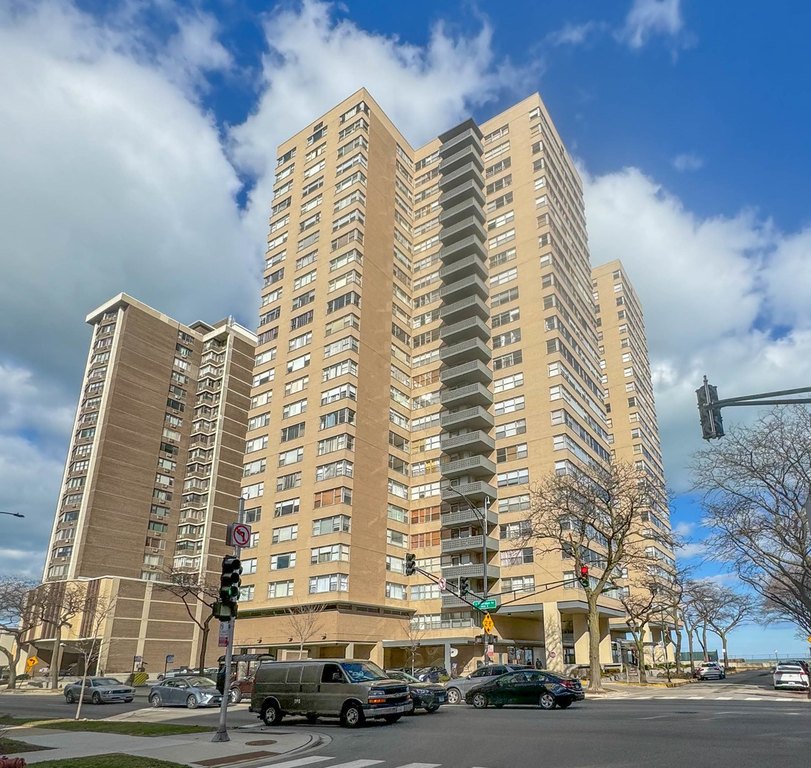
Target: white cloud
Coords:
[[315, 60], [696, 549], [648, 18], [688, 161], [711, 289], [576, 34]]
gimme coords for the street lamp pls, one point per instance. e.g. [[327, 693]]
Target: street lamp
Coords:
[[483, 520], [12, 514]]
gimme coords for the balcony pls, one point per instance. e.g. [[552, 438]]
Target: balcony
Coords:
[[451, 602], [459, 518], [476, 466], [475, 440], [463, 309], [471, 190], [470, 372], [468, 227], [458, 156], [470, 171], [461, 248], [461, 271], [474, 491], [471, 394], [467, 208], [466, 329], [473, 418], [471, 570], [468, 543], [475, 349], [468, 137]]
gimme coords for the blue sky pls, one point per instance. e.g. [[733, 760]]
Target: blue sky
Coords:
[[137, 138]]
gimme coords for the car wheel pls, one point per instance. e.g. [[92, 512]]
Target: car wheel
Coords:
[[70, 698], [311, 717], [271, 714], [479, 701], [352, 716], [96, 697], [565, 704], [234, 695], [454, 697], [547, 701], [391, 719], [191, 702], [127, 701], [155, 700], [433, 708]]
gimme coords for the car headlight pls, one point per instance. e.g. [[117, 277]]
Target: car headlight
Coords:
[[377, 693]]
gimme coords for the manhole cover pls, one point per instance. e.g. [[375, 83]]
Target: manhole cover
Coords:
[[261, 743]]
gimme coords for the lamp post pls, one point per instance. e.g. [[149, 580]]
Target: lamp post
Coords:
[[12, 514], [483, 520]]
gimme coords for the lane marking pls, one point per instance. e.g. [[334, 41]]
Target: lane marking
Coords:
[[299, 761]]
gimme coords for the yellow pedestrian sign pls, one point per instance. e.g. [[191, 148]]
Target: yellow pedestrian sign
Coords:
[[487, 623]]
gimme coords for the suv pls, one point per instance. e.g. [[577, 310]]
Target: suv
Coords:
[[710, 669], [351, 690], [459, 686]]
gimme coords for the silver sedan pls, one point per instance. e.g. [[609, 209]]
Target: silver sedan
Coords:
[[99, 690], [192, 692]]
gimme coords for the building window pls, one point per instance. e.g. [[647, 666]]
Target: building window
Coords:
[[283, 561], [333, 524], [334, 582], [280, 589]]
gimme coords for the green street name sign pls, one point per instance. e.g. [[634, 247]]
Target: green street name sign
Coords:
[[485, 605]]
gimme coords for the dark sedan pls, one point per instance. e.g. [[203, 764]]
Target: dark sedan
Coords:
[[539, 687], [427, 696]]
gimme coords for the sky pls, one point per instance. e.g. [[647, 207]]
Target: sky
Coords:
[[138, 138]]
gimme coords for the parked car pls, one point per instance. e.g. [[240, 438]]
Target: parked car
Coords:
[[425, 695], [243, 672], [791, 675], [430, 674], [710, 670], [191, 691], [99, 690], [351, 690], [459, 686], [531, 686]]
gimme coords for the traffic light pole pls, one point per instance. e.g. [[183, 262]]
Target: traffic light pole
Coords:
[[221, 734]]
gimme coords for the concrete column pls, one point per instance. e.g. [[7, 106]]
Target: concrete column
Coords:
[[580, 628], [605, 641], [553, 637], [349, 653], [448, 659], [377, 655]]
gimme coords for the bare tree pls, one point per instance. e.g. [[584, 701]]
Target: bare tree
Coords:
[[304, 621], [592, 514], [414, 631], [15, 619], [700, 604], [97, 611], [639, 603], [756, 483], [730, 609], [194, 591]]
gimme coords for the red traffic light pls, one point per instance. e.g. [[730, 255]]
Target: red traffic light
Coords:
[[584, 570]]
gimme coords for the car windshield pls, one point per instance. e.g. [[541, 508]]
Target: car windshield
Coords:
[[360, 671], [106, 681], [201, 682]]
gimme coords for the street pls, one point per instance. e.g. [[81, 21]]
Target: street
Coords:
[[734, 723]]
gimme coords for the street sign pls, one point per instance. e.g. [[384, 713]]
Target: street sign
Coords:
[[454, 652], [222, 640], [485, 605], [170, 658], [238, 535], [443, 584], [487, 623], [808, 638]]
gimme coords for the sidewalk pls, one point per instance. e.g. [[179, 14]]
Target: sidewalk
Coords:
[[193, 749]]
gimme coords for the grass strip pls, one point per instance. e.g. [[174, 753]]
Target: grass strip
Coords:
[[110, 761], [126, 727], [12, 746]]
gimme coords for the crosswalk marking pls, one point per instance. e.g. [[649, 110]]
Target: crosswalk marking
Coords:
[[300, 761], [420, 765]]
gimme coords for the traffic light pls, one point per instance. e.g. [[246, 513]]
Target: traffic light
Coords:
[[712, 425], [584, 576], [410, 564], [464, 586], [230, 581]]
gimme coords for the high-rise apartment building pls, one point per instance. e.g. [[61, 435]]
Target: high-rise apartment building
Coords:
[[153, 472], [633, 424], [427, 349]]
